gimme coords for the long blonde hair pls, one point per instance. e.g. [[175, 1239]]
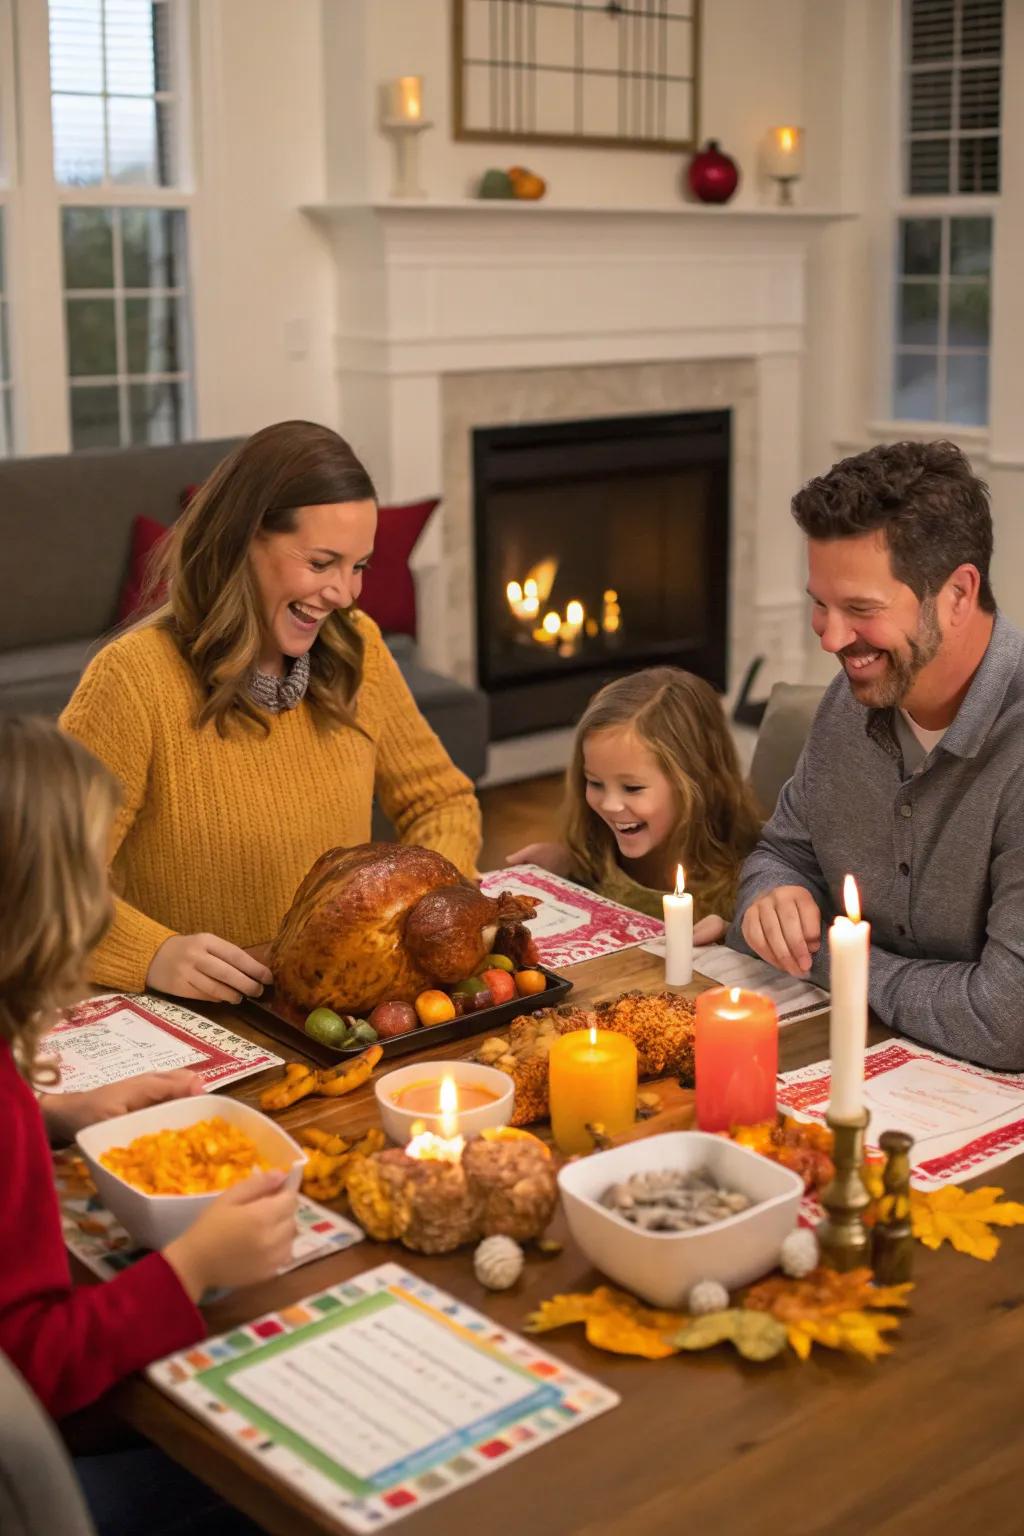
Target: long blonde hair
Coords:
[[212, 606], [679, 719], [57, 804]]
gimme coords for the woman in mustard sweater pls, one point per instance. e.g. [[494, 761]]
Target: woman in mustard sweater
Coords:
[[252, 719]]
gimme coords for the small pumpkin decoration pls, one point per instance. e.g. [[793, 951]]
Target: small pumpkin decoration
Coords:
[[525, 184]]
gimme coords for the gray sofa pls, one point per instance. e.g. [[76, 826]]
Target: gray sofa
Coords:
[[65, 541]]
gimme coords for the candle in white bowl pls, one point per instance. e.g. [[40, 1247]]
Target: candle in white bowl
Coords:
[[849, 944], [677, 906], [407, 99]]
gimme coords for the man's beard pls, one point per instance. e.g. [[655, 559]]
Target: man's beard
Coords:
[[902, 670]]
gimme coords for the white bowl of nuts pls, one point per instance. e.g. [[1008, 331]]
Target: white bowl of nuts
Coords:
[[659, 1214]]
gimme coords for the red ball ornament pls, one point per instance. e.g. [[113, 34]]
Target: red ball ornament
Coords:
[[712, 175]]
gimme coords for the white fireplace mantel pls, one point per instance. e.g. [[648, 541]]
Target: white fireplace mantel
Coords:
[[427, 292]]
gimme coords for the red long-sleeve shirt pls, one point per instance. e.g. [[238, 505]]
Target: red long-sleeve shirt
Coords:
[[71, 1343]]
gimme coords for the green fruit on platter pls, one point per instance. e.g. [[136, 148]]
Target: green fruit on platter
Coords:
[[469, 987], [497, 963], [364, 1033], [329, 1028]]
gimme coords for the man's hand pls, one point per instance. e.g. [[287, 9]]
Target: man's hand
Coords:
[[784, 928], [66, 1114], [205, 966]]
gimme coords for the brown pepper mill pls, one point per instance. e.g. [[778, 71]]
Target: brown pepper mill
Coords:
[[892, 1248]]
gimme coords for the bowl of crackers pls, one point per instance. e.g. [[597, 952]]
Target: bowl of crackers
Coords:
[[159, 1168]]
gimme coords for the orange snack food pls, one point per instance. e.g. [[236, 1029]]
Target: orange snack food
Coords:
[[199, 1159]]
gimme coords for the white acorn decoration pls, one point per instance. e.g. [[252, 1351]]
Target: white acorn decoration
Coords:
[[707, 1296], [799, 1253], [498, 1262]]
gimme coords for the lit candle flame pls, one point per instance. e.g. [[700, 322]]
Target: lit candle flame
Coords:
[[787, 138], [734, 994], [574, 613], [851, 899], [530, 589], [551, 623], [680, 880], [514, 593], [593, 1034]]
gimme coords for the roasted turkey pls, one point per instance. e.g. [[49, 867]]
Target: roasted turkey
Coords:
[[381, 922]]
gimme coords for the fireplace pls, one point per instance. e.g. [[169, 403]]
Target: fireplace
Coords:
[[602, 546]]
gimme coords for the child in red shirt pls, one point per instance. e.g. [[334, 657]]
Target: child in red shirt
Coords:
[[74, 1342]]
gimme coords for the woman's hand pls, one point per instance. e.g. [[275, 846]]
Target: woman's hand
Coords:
[[552, 856], [246, 1235], [201, 965], [66, 1114], [709, 930]]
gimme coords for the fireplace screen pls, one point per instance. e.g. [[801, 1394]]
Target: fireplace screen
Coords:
[[602, 546]]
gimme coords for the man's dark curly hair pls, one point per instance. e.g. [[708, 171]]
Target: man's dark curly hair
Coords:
[[933, 511]]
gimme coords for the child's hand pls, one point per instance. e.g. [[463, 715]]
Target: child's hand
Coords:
[[66, 1114], [246, 1235], [709, 930], [552, 856]]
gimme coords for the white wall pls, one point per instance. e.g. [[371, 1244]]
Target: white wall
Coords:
[[264, 276]]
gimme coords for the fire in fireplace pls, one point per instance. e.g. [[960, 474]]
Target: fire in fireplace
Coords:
[[602, 546]]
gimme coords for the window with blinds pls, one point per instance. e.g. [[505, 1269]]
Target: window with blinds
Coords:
[[113, 101], [953, 79], [117, 135]]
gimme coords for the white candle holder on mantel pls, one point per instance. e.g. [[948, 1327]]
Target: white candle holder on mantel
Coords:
[[405, 134]]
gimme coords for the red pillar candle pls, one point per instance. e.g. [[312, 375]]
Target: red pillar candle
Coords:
[[736, 1053]]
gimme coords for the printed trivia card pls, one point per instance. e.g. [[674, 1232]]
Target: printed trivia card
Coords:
[[381, 1395], [116, 1036], [572, 923], [965, 1120]]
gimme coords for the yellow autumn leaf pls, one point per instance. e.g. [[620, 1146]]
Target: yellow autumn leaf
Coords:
[[858, 1333], [964, 1218], [621, 1334]]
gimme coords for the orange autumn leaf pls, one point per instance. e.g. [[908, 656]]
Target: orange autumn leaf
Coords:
[[838, 1311], [614, 1321]]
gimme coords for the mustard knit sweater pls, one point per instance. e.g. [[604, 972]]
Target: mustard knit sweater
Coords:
[[215, 833]]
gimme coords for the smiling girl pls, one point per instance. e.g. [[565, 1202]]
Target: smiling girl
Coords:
[[252, 719], [654, 782]]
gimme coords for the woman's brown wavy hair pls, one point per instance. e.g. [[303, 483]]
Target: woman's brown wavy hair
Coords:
[[212, 606], [679, 718], [57, 805]]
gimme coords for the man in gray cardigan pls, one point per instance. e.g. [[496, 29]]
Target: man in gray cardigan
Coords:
[[912, 777]]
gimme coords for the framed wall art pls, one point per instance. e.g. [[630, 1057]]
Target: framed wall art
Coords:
[[608, 73]]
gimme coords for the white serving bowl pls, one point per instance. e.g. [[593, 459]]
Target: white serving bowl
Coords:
[[398, 1122], [156, 1220], [661, 1267]]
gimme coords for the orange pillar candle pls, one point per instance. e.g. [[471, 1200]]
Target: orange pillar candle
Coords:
[[591, 1081], [736, 1057]]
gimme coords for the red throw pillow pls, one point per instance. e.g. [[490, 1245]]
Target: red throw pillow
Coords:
[[389, 593], [147, 536]]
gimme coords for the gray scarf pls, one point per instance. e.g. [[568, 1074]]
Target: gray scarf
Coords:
[[275, 694]]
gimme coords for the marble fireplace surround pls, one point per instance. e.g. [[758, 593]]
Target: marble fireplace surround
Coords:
[[453, 316]]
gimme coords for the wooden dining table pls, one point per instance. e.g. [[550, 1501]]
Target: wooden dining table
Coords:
[[926, 1440]]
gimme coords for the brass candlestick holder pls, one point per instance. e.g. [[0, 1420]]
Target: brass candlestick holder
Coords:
[[842, 1235], [892, 1248]]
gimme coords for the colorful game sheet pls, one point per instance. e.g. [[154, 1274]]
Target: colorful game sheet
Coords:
[[116, 1036], [380, 1395], [572, 923], [98, 1240], [964, 1119]]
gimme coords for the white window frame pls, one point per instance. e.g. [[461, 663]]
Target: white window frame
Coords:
[[902, 205], [34, 244]]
